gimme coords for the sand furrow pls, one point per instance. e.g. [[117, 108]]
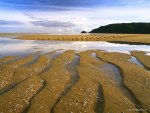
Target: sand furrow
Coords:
[[142, 57], [18, 75], [136, 61], [7, 70], [135, 78], [73, 80], [6, 59], [96, 37], [16, 100], [20, 62], [83, 95], [57, 78], [88, 96]]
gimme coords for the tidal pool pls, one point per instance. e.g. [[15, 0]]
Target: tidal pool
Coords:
[[11, 46], [136, 61], [92, 88]]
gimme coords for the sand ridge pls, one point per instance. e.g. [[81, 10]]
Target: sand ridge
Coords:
[[115, 38], [45, 85]]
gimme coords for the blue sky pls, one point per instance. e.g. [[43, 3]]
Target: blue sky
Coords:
[[69, 16]]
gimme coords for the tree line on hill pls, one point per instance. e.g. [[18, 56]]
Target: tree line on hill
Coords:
[[125, 28]]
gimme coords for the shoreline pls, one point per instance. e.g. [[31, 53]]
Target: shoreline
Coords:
[[131, 39], [130, 43]]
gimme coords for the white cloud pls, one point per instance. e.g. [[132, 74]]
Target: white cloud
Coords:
[[84, 19]]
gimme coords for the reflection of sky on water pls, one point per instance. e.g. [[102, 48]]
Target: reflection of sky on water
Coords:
[[5, 41], [148, 54], [80, 46], [134, 60], [9, 46]]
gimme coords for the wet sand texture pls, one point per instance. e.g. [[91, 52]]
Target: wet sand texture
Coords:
[[70, 82], [135, 78], [93, 92], [57, 78], [116, 38], [142, 57]]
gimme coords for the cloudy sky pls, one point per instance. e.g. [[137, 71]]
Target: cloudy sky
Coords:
[[69, 16]]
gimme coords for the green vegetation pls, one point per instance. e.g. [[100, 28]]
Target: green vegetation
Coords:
[[125, 28], [83, 32]]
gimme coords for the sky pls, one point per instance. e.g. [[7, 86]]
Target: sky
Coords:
[[68, 16]]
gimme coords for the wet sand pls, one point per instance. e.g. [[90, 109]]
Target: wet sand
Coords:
[[76, 80], [142, 57], [138, 39], [135, 78], [70, 82]]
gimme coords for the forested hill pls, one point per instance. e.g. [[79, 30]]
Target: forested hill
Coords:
[[126, 28]]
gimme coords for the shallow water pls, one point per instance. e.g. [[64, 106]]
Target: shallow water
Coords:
[[114, 73], [148, 54], [136, 61], [10, 46], [110, 70]]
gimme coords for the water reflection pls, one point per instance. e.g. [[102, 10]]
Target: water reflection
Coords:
[[148, 54], [9, 46], [135, 61]]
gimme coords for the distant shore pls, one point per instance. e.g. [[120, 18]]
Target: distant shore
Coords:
[[133, 39], [130, 43]]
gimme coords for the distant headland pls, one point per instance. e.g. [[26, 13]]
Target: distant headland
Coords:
[[124, 28]]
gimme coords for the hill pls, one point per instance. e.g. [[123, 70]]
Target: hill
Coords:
[[125, 28], [83, 32]]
